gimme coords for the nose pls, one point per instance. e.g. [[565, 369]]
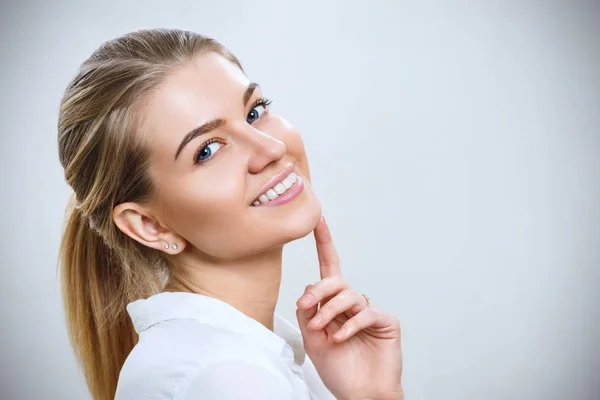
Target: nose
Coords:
[[264, 149]]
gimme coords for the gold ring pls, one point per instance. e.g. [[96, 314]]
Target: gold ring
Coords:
[[366, 298]]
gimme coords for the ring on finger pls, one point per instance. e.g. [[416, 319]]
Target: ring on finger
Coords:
[[366, 298]]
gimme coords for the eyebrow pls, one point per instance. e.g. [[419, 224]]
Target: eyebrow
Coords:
[[214, 123]]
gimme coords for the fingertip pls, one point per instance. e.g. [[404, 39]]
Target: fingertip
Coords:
[[301, 306], [304, 315], [305, 306], [339, 337]]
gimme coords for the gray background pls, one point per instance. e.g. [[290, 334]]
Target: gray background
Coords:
[[455, 147]]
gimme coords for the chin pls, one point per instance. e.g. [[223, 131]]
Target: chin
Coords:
[[301, 221]]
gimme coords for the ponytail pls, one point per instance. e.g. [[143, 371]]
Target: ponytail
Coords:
[[94, 299]]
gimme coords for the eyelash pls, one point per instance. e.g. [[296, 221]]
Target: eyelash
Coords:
[[259, 102], [262, 102]]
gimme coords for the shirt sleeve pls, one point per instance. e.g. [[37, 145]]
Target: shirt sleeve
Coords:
[[235, 380]]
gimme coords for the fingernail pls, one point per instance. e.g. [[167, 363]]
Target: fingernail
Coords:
[[306, 298]]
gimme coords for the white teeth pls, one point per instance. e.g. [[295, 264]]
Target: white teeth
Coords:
[[278, 189], [271, 194], [290, 180], [263, 198]]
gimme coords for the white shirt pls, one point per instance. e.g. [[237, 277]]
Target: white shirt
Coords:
[[196, 347]]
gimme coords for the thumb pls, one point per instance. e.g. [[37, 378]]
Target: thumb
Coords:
[[304, 315], [309, 337]]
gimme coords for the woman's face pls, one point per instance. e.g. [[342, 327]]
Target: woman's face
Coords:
[[207, 185]]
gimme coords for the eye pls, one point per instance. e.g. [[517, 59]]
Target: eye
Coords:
[[207, 150], [260, 107]]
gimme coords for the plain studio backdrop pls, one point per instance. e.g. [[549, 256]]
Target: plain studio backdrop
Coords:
[[455, 147]]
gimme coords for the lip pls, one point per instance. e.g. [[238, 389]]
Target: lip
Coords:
[[275, 180]]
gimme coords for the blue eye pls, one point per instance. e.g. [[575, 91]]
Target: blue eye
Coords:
[[207, 150], [256, 111]]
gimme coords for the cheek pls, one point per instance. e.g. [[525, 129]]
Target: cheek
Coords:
[[206, 209]]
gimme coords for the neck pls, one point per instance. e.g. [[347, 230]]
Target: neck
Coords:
[[251, 285]]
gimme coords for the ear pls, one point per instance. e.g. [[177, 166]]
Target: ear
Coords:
[[139, 224]]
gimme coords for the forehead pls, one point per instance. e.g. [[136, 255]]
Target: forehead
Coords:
[[207, 77], [208, 87]]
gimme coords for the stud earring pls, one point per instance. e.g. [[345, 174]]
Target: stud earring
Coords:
[[166, 246], [174, 246]]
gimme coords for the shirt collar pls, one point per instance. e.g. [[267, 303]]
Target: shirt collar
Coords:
[[286, 339]]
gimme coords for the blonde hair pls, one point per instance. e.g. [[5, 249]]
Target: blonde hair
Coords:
[[106, 163]]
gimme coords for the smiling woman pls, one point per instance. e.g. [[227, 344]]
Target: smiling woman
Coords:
[[186, 188]]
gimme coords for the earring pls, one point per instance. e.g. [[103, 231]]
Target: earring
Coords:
[[166, 246], [174, 246]]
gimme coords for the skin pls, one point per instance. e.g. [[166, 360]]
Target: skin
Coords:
[[232, 251]]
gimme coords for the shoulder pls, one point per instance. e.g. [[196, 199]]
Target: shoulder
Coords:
[[177, 356]]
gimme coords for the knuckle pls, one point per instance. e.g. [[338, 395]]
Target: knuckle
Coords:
[[310, 289]]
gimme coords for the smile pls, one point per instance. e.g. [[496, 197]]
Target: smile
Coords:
[[283, 192]]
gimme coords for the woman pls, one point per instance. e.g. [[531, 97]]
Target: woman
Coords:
[[186, 188]]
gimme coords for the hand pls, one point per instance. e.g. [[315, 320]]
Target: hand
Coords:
[[355, 350]]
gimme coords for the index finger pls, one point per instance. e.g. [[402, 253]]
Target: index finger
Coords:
[[329, 262]]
